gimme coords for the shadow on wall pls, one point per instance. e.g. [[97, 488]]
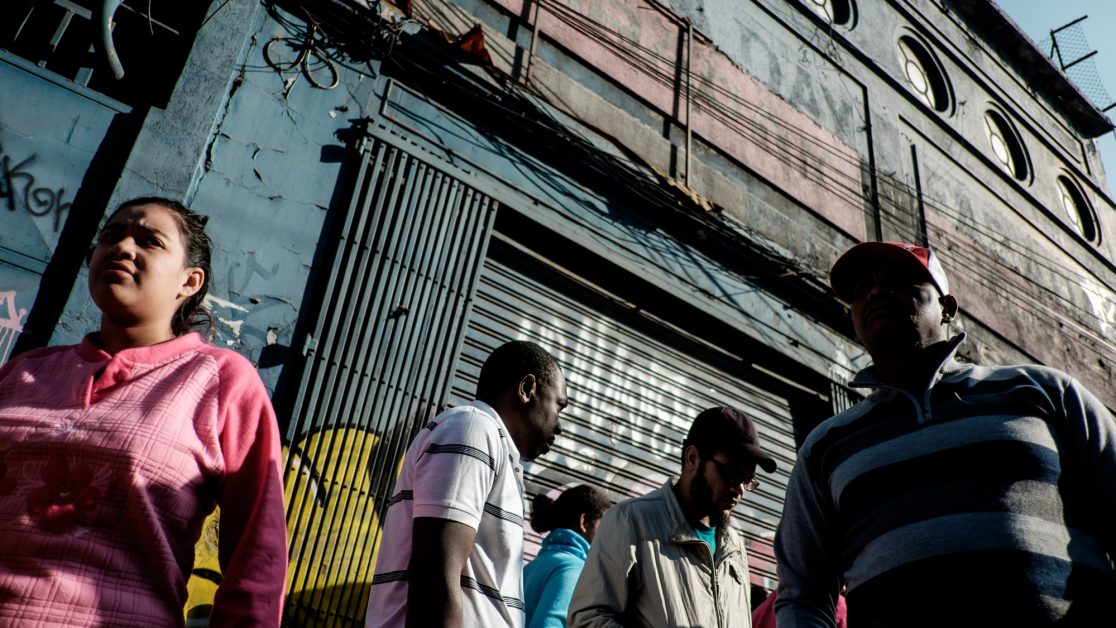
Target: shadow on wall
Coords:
[[333, 530]]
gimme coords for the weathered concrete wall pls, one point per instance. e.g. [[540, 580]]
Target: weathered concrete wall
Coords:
[[272, 172], [50, 131], [644, 48], [262, 162], [263, 158], [932, 169], [167, 155]]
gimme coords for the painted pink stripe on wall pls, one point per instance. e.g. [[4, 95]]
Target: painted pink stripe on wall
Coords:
[[637, 45]]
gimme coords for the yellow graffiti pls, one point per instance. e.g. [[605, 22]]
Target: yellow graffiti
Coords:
[[332, 528], [202, 585]]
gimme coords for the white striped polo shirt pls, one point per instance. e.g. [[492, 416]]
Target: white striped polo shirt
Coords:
[[463, 467]]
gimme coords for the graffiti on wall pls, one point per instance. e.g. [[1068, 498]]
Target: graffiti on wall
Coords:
[[1101, 303], [11, 323], [20, 191], [332, 525]]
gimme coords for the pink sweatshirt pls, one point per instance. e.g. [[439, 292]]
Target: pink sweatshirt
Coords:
[[108, 467]]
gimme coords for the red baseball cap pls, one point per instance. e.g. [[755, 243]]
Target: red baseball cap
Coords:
[[869, 255]]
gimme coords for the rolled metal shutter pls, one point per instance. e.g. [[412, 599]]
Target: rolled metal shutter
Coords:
[[632, 396], [380, 358]]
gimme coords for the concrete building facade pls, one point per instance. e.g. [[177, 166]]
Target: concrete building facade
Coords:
[[653, 190]]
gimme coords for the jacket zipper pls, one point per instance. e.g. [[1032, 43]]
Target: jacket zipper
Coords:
[[921, 408], [717, 598], [716, 587], [716, 593]]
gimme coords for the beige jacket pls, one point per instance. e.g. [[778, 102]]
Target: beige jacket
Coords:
[[646, 567]]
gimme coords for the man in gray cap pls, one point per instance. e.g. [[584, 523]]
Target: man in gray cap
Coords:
[[670, 558], [990, 488]]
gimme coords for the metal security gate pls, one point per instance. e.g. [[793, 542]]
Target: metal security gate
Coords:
[[632, 395], [379, 361]]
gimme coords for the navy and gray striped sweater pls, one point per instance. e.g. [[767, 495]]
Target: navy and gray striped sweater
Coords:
[[990, 499]]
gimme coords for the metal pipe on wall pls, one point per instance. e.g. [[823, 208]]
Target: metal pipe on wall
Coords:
[[534, 40], [689, 96], [108, 47]]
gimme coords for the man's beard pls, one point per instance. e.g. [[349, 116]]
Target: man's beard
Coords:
[[702, 495]]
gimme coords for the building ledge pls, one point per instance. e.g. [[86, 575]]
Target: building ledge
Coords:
[[1005, 36]]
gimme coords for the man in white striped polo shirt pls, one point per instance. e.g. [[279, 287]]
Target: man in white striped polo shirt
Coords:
[[452, 547]]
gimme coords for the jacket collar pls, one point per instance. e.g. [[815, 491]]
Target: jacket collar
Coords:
[[683, 530], [152, 354], [948, 365], [490, 412], [566, 541]]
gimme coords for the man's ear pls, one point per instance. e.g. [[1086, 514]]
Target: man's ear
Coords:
[[581, 521], [691, 457], [949, 308], [528, 388]]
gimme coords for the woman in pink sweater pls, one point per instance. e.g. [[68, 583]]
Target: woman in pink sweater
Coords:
[[114, 451]]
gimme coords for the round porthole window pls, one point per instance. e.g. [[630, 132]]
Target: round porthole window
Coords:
[[839, 12], [924, 73], [1007, 147], [1078, 211]]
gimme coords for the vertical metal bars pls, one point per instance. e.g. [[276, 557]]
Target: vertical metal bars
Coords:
[[395, 306]]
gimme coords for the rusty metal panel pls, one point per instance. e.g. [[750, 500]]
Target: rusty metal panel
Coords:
[[632, 395], [379, 364]]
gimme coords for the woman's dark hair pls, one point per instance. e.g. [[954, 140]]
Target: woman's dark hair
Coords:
[[565, 512], [199, 247]]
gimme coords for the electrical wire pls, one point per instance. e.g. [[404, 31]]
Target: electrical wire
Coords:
[[848, 188]]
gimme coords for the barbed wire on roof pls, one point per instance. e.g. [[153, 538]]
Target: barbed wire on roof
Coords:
[[1068, 47]]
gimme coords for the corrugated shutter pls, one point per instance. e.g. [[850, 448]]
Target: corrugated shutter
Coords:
[[380, 360], [632, 395]]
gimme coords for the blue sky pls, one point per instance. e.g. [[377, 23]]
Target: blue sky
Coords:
[[1038, 17]]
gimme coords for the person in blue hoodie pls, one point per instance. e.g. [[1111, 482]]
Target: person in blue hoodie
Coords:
[[548, 581]]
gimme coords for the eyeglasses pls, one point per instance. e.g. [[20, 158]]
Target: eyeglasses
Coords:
[[735, 477]]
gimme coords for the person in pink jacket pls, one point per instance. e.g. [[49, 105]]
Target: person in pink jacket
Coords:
[[115, 450], [764, 615]]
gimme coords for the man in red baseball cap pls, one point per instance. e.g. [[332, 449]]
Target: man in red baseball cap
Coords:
[[998, 481], [900, 303]]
